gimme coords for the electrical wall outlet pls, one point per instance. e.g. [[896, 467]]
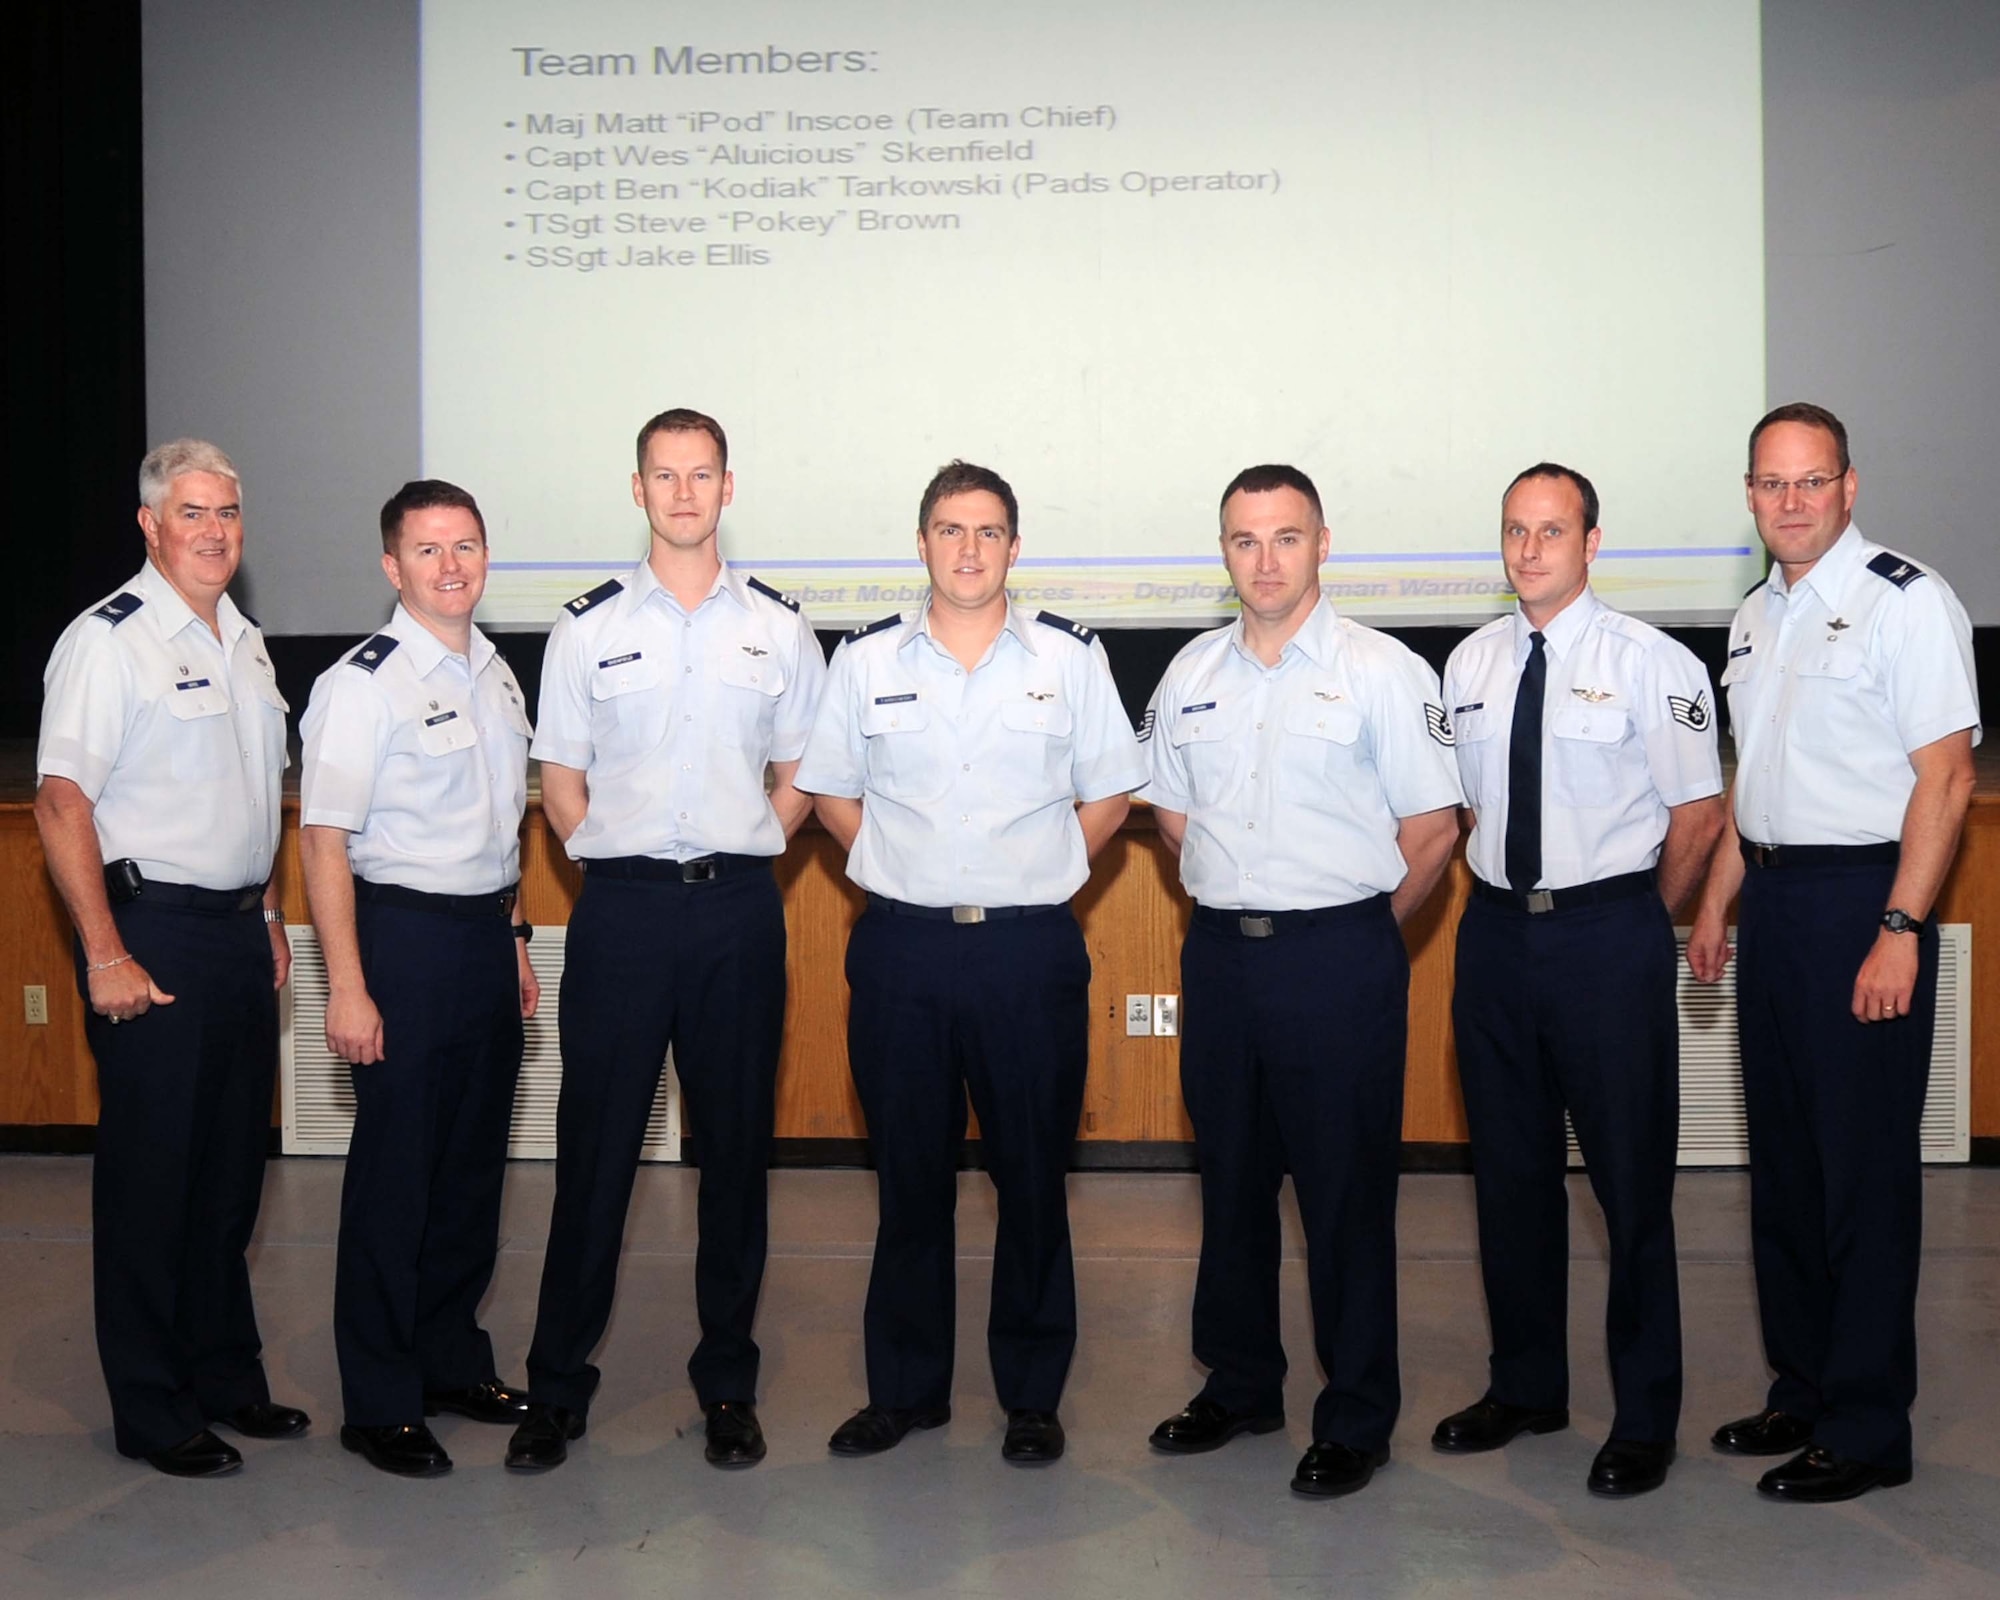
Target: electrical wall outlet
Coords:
[[35, 1003], [1138, 1015], [1166, 1015]]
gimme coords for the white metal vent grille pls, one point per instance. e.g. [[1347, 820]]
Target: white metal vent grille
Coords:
[[318, 1093], [1713, 1133]]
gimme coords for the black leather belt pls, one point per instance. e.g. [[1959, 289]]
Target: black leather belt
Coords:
[[1821, 855], [1626, 886], [1264, 924], [959, 914], [124, 884], [500, 903], [651, 869]]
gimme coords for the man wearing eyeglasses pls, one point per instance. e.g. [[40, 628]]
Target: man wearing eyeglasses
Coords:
[[972, 757], [1854, 707]]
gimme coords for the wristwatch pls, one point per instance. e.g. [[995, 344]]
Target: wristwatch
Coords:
[[525, 931], [1901, 921]]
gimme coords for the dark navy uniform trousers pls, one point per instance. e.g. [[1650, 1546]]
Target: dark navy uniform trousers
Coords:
[[1836, 1196], [1001, 1009], [1292, 1055], [420, 1203], [1574, 1009], [181, 1138], [653, 962]]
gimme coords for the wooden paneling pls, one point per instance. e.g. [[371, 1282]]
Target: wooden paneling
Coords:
[[1133, 914]]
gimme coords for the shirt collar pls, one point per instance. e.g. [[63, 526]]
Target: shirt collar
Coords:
[[1564, 630], [1318, 638], [426, 649], [174, 613], [1018, 623], [645, 583], [1829, 575]]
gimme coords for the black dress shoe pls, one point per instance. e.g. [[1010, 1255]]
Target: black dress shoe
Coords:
[[1769, 1433], [406, 1449], [1205, 1424], [1034, 1439], [201, 1455], [735, 1438], [491, 1401], [1488, 1424], [1326, 1469], [873, 1428], [542, 1440], [1629, 1466], [263, 1420], [1819, 1477]]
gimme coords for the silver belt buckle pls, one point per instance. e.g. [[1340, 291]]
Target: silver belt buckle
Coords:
[[1540, 900], [968, 913], [1255, 927], [698, 871]]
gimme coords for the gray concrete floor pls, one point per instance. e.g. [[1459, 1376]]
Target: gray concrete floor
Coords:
[[636, 1511]]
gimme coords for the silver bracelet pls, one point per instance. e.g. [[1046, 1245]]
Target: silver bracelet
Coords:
[[106, 966]]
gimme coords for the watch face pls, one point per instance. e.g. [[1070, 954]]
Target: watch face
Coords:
[[1900, 922]]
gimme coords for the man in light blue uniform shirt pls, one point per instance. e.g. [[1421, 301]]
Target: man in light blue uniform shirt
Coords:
[[416, 779], [162, 748], [1586, 741], [972, 757], [1301, 765], [1854, 706], [667, 695]]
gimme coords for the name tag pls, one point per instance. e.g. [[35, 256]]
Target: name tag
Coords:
[[619, 661], [442, 716], [1477, 705], [1740, 650], [1206, 705], [193, 683], [893, 699]]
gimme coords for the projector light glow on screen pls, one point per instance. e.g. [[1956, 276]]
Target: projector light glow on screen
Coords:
[[1116, 252]]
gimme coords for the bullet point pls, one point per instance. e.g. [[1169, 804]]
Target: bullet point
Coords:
[[510, 224], [506, 258], [510, 157], [506, 124], [510, 191]]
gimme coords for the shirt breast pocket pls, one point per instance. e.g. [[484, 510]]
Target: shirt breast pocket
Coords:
[[203, 740], [1482, 755], [1828, 685], [1584, 755], [446, 731], [751, 686], [1324, 742], [1034, 756], [628, 707], [901, 761], [1212, 757]]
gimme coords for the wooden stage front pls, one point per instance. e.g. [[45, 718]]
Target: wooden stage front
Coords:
[[1133, 913]]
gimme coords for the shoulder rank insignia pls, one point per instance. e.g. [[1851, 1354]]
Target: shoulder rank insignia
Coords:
[[765, 589], [1087, 635], [119, 607], [374, 652], [596, 597], [1747, 593], [1690, 713], [1898, 571], [862, 632]]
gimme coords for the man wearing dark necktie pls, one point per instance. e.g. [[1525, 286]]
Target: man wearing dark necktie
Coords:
[[1591, 822]]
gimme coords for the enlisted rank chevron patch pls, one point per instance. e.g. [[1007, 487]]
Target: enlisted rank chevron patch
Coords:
[[1437, 724], [1690, 713], [1145, 729]]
